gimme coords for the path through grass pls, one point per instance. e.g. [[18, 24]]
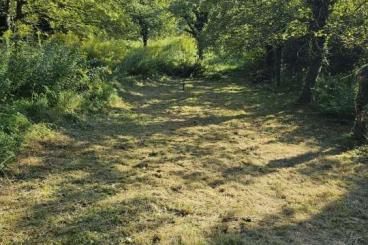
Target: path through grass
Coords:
[[222, 163]]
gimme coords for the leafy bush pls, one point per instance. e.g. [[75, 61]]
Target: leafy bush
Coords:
[[45, 84], [13, 123], [176, 57], [12, 126], [335, 96], [52, 72], [36, 109], [99, 93], [28, 70], [7, 147]]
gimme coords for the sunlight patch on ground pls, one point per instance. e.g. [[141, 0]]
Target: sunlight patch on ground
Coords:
[[186, 168]]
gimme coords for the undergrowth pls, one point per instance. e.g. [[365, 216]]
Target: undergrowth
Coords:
[[175, 57], [45, 84]]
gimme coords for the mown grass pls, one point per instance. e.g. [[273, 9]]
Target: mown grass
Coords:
[[223, 162]]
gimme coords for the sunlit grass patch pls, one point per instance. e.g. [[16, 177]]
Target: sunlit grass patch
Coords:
[[169, 167]]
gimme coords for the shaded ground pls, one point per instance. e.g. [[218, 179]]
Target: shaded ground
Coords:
[[221, 163]]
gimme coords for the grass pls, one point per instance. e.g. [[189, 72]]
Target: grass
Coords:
[[223, 162]]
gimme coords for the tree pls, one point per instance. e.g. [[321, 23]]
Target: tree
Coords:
[[321, 10], [4, 16], [360, 126], [83, 18], [19, 14], [264, 26], [149, 16], [194, 17]]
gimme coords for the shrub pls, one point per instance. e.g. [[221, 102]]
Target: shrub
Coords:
[[27, 71], [13, 123], [12, 126], [99, 96], [68, 101], [36, 109], [45, 84], [53, 74], [7, 147], [335, 96]]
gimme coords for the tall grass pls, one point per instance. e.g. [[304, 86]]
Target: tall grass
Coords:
[[105, 52], [175, 57]]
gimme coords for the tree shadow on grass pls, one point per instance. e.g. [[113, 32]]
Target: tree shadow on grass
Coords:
[[114, 224], [303, 158], [90, 172], [270, 112], [88, 202], [344, 221]]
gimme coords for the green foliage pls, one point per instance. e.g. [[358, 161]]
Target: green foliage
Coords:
[[45, 83], [52, 72], [172, 57], [60, 55], [99, 94], [79, 17], [341, 57], [36, 109], [105, 52], [335, 96], [215, 65], [149, 18], [193, 18], [13, 123], [30, 71], [7, 146], [239, 26], [12, 127]]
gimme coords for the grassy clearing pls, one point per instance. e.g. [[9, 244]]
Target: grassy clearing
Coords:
[[222, 163]]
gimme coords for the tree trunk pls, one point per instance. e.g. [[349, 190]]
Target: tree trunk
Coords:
[[145, 40], [315, 65], [269, 62], [5, 18], [200, 48], [197, 31], [321, 12], [19, 10], [278, 64], [144, 34], [144, 31], [360, 126]]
